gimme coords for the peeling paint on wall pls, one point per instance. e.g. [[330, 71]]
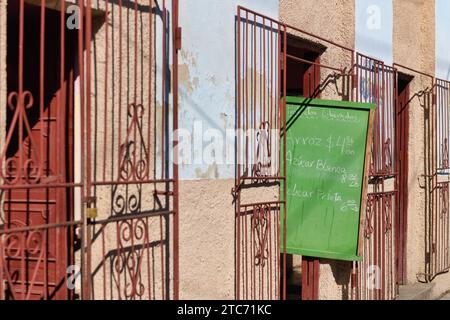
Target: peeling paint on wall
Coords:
[[207, 71]]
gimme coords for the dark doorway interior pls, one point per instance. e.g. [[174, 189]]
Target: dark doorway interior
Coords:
[[40, 271], [303, 78], [402, 128]]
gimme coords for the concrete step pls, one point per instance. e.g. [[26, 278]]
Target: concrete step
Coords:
[[418, 291]]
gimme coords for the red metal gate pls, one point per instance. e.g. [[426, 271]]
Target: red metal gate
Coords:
[[88, 182], [258, 262], [437, 257], [376, 275], [262, 60]]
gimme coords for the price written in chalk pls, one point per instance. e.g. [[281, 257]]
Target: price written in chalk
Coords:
[[343, 144], [326, 144]]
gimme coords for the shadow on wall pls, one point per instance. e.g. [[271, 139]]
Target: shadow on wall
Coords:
[[132, 248]]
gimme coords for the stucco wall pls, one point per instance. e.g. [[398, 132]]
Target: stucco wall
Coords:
[[410, 49], [207, 239], [414, 46]]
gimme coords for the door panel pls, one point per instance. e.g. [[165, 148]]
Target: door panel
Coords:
[[37, 259]]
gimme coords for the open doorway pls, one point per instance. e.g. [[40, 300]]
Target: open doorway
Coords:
[[40, 73], [402, 128], [303, 67]]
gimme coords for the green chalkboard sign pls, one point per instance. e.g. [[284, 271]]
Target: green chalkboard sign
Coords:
[[326, 152]]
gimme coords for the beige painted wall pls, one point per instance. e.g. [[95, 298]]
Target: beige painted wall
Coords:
[[414, 46], [413, 49], [207, 239]]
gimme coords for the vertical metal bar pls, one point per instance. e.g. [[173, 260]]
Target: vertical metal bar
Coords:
[[89, 130], [270, 295], [41, 113], [161, 239], [433, 106], [42, 81], [246, 77], [106, 111], [84, 289], [280, 60], [149, 274], [238, 141], [60, 138], [136, 51], [263, 73], [103, 230], [163, 98], [88, 96], [119, 254], [245, 252], [176, 216], [252, 255], [150, 86], [254, 94], [120, 81], [283, 117], [20, 99], [21, 106], [271, 120]]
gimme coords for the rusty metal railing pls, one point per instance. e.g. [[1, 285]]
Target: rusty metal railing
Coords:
[[88, 189], [376, 274], [437, 256]]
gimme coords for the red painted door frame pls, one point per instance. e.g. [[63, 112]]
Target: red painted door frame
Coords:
[[311, 266]]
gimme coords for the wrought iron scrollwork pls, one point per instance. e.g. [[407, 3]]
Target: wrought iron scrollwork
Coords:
[[132, 239], [387, 211], [25, 166], [22, 246], [133, 153], [368, 228], [260, 223]]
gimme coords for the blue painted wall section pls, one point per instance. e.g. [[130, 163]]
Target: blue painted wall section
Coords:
[[443, 39], [374, 25], [207, 76]]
